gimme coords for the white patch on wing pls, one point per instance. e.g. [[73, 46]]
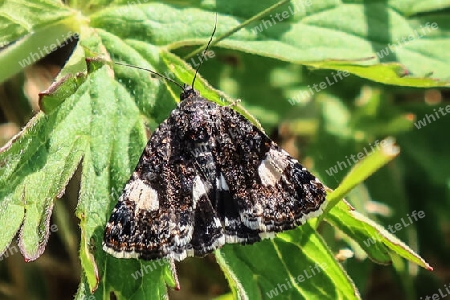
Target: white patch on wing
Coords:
[[217, 222], [232, 239], [272, 167], [198, 190], [179, 256], [256, 222], [142, 194], [221, 183], [120, 253], [189, 251], [314, 214]]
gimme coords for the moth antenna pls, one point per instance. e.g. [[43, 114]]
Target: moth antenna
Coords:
[[152, 72], [204, 51]]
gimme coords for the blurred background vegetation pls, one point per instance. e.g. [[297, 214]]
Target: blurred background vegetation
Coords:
[[320, 131]]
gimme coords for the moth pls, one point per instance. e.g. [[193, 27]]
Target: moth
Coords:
[[208, 177]]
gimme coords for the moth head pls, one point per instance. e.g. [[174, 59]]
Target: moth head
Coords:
[[188, 92]]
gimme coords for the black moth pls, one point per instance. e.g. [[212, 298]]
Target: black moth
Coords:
[[207, 177]]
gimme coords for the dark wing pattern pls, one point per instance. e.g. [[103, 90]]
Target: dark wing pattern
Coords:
[[208, 177], [160, 204], [271, 190]]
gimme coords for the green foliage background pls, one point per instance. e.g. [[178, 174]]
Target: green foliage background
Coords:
[[95, 119]]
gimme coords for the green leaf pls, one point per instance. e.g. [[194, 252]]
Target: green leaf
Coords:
[[376, 241], [383, 153], [16, 23], [299, 39], [33, 29], [387, 73], [301, 267], [40, 163]]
